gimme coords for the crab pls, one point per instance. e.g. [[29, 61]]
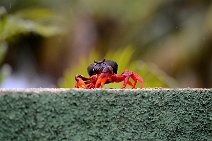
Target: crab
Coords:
[[104, 72]]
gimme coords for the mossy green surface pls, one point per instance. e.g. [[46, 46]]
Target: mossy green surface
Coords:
[[109, 115]]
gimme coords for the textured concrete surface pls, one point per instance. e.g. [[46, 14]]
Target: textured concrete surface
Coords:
[[109, 115]]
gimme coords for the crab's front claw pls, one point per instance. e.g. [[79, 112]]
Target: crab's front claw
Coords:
[[100, 82], [104, 76], [80, 83]]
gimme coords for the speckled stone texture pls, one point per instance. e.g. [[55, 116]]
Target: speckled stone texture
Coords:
[[106, 114]]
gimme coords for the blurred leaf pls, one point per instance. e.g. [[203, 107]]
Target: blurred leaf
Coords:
[[12, 25], [3, 49], [1, 76], [152, 76], [4, 72], [37, 14]]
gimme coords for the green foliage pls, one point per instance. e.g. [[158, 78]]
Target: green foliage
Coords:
[[12, 25], [152, 76], [3, 49], [37, 14]]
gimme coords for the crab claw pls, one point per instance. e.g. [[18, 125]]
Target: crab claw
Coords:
[[80, 83], [104, 76]]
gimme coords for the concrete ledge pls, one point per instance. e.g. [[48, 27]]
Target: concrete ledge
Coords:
[[106, 114]]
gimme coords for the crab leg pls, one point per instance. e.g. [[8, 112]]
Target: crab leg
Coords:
[[136, 78], [126, 81], [129, 74]]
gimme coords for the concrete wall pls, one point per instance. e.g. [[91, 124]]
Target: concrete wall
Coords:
[[109, 115]]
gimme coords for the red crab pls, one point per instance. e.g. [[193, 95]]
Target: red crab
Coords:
[[103, 72]]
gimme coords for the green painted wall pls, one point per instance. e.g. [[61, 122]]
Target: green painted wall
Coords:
[[109, 115]]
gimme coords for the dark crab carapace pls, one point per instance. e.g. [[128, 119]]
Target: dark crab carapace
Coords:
[[98, 66], [103, 72]]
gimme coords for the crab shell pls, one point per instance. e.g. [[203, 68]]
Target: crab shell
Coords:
[[98, 66]]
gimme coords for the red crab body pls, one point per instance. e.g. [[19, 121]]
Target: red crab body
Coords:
[[103, 72]]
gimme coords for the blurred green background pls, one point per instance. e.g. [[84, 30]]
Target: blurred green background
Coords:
[[45, 43]]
